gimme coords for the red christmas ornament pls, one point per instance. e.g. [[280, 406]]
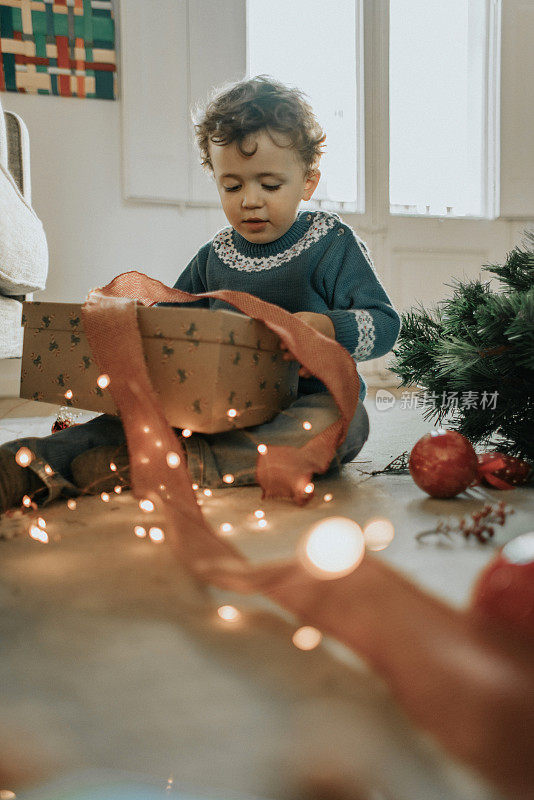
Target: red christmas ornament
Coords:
[[443, 463], [502, 471], [504, 591]]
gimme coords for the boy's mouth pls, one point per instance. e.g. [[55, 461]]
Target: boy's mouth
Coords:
[[255, 222]]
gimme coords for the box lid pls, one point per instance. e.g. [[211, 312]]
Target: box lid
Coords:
[[218, 326]]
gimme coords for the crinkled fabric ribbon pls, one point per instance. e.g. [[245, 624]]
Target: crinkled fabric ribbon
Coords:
[[427, 651], [110, 323], [486, 471]]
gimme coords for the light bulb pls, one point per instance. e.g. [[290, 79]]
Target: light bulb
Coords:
[[23, 456], [38, 534], [173, 459], [226, 527], [103, 381], [229, 613], [146, 505]]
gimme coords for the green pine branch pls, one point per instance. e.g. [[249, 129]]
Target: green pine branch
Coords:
[[478, 342]]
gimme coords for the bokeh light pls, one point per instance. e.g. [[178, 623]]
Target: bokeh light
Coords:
[[173, 459], [23, 456], [378, 534], [333, 548], [38, 534], [306, 638], [226, 528], [229, 613], [103, 381]]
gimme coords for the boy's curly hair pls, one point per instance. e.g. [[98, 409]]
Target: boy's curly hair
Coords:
[[234, 112]]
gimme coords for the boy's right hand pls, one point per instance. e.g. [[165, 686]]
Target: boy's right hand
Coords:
[[321, 323]]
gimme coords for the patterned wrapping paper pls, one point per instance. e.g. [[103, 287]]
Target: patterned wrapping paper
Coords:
[[202, 363], [61, 47]]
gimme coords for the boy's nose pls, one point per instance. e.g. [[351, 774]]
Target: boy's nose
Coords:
[[251, 200]]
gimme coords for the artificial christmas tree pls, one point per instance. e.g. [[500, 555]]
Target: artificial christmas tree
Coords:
[[472, 357]]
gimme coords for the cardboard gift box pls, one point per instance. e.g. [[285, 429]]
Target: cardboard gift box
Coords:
[[202, 364]]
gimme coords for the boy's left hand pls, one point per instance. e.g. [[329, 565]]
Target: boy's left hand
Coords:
[[321, 323]]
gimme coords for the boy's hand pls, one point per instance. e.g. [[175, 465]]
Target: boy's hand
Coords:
[[321, 323]]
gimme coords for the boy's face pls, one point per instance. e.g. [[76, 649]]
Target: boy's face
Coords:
[[267, 186]]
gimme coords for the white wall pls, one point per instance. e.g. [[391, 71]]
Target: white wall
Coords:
[[93, 234]]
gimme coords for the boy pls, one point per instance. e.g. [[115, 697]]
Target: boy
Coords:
[[261, 143]]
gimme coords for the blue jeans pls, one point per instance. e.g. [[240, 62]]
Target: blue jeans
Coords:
[[209, 456]]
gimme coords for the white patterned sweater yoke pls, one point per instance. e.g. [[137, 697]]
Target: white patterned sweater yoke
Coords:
[[319, 265]]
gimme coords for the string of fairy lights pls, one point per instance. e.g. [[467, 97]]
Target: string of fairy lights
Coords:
[[332, 548]]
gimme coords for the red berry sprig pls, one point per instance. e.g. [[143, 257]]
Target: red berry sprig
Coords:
[[479, 524]]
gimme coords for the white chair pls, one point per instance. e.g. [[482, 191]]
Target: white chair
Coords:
[[23, 247]]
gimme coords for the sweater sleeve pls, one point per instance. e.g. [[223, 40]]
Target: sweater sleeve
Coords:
[[192, 280], [365, 322]]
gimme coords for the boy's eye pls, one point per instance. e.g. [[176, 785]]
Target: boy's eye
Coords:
[[268, 186]]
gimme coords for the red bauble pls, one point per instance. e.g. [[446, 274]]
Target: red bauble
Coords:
[[505, 468], [505, 589], [443, 463]]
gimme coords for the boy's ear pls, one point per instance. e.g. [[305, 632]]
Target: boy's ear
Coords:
[[311, 184]]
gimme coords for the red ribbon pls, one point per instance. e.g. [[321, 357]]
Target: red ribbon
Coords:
[[486, 470], [281, 471], [420, 646], [110, 323]]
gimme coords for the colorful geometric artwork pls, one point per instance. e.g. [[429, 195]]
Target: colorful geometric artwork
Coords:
[[62, 47]]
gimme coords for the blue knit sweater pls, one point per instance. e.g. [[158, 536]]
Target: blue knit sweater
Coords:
[[318, 265]]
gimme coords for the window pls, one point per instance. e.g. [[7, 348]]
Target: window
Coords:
[[444, 88], [318, 48]]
